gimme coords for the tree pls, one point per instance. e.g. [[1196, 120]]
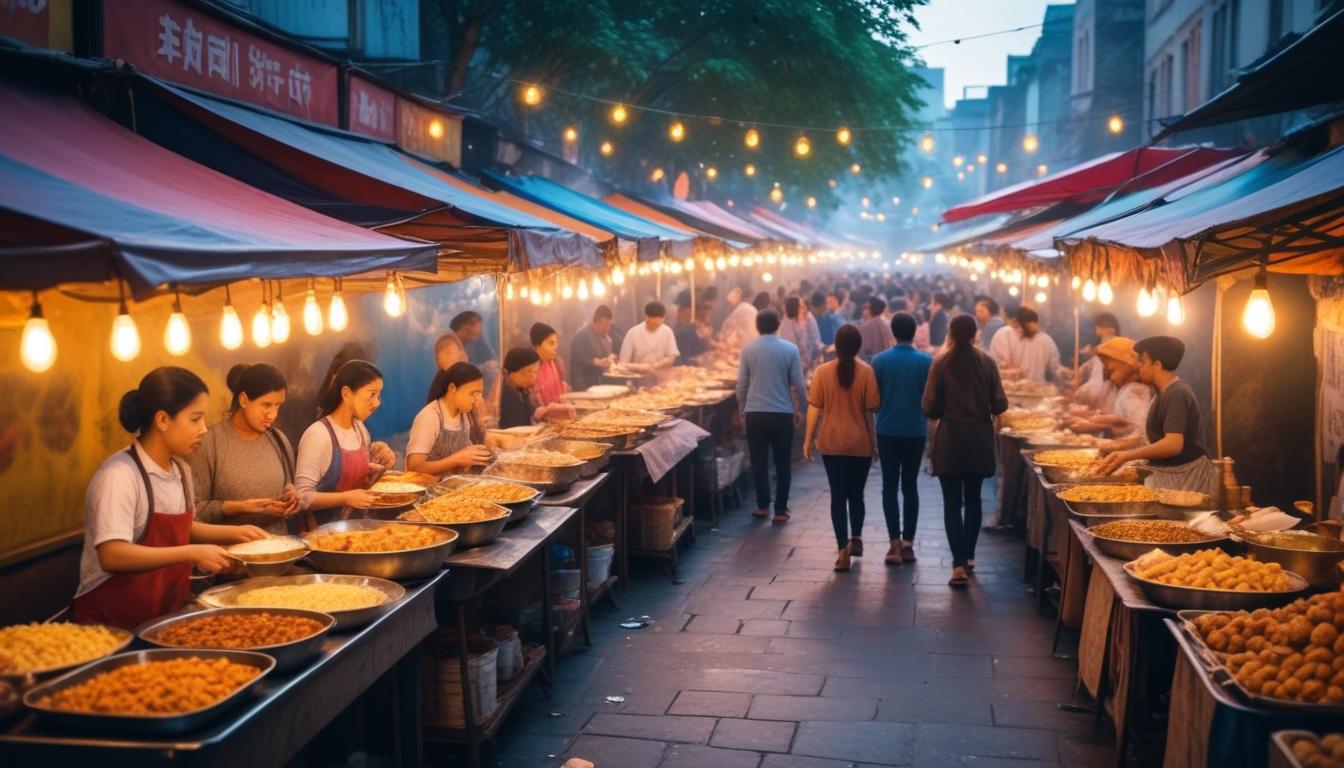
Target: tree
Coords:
[[757, 63]]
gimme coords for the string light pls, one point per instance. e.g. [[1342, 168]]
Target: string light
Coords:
[[749, 169], [618, 276], [1258, 317], [1115, 124], [657, 175], [811, 202], [957, 161], [1104, 293], [1040, 297], [970, 168], [776, 194], [926, 143], [895, 201], [582, 293], [312, 313], [843, 136], [1076, 282], [337, 316], [961, 176], [802, 147], [711, 173], [752, 138], [177, 334], [1030, 143], [619, 114], [1042, 169], [37, 347], [831, 183], [1175, 311], [865, 202], [125, 336], [279, 318], [392, 300], [1012, 290], [230, 325], [532, 95], [676, 131], [981, 159], [571, 135], [767, 277], [566, 291], [1146, 305], [1090, 290], [261, 326], [1001, 168], [608, 149], [926, 182], [856, 169]]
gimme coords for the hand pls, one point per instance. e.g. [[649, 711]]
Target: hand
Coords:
[[472, 456], [807, 450], [797, 420], [602, 362], [243, 533], [1111, 462], [209, 557], [1107, 447], [291, 501], [359, 498], [275, 507], [382, 453]]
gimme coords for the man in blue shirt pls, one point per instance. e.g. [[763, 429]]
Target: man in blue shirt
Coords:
[[938, 320], [987, 314], [769, 375], [901, 372], [828, 322]]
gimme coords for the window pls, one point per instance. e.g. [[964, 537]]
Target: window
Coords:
[[1220, 60], [1190, 60], [1165, 86]]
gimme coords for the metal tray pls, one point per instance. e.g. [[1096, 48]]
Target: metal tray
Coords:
[[572, 447], [402, 564], [1133, 550], [518, 510], [23, 680], [143, 724], [287, 655], [473, 534], [1321, 568], [225, 596], [1281, 748], [546, 479], [621, 440], [1174, 597]]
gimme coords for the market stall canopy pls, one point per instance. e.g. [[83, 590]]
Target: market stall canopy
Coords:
[[707, 217], [726, 218], [1304, 74], [82, 199], [810, 235], [356, 178], [1093, 180], [954, 235], [640, 208]]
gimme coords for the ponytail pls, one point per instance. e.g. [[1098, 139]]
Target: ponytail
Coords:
[[168, 389], [353, 374], [457, 375], [848, 341]]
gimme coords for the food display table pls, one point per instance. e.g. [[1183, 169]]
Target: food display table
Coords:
[[1012, 491], [285, 711], [578, 496], [655, 458], [715, 417]]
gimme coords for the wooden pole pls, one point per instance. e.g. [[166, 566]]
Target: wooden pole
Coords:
[[1216, 375]]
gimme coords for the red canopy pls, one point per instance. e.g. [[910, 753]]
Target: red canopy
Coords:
[[1093, 180]]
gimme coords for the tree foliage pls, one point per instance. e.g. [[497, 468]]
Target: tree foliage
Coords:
[[818, 63]]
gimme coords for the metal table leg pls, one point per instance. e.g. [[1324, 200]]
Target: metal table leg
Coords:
[[584, 604], [468, 706], [547, 624]]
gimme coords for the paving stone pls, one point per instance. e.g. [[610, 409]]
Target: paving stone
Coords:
[[758, 735], [693, 730], [713, 625], [950, 665], [801, 708], [1040, 714], [943, 745], [870, 742], [758, 681], [799, 761], [765, 628], [627, 753], [711, 704], [693, 756], [739, 609], [936, 702], [1026, 666], [823, 630]]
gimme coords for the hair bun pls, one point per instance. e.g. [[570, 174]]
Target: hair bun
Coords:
[[234, 379], [128, 412]]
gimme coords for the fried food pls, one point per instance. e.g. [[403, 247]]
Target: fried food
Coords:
[[1071, 458], [1325, 752], [1181, 498], [171, 687], [1295, 652], [1108, 494], [323, 597], [387, 538], [496, 492], [31, 647], [238, 631], [396, 487], [1212, 569], [1150, 532], [537, 457], [453, 508], [594, 431]]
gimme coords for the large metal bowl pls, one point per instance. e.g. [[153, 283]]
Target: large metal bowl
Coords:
[[1061, 475], [23, 680], [518, 510], [122, 725], [287, 655], [1172, 596], [400, 564], [1133, 550], [226, 595], [1320, 567], [474, 534], [593, 454]]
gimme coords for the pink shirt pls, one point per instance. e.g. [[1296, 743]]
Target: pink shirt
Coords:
[[550, 382]]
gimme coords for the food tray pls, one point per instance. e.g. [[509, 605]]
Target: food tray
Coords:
[[400, 564], [558, 478], [1133, 550], [224, 596], [1221, 675], [1195, 598], [593, 454], [407, 476], [473, 534], [513, 438], [619, 439], [1057, 475], [122, 725], [252, 569], [22, 680], [1281, 748], [518, 510], [1320, 567], [287, 655]]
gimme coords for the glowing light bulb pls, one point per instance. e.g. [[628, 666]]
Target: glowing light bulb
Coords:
[[926, 143], [856, 169], [508, 292], [619, 114], [1001, 168], [393, 304], [767, 277], [337, 315], [1042, 169], [1076, 282], [532, 95], [261, 327], [37, 347], [1146, 305], [802, 147], [1040, 297], [436, 128], [749, 169], [711, 173], [618, 277], [1104, 293], [583, 291], [1090, 290], [125, 336], [1115, 124], [566, 291], [865, 202], [721, 263], [1012, 290], [600, 288], [177, 335], [548, 299], [608, 149], [957, 160], [982, 159], [230, 328], [312, 314], [1030, 143], [657, 175], [571, 135], [895, 201], [776, 194], [752, 138], [676, 131], [926, 182], [811, 202], [1175, 311], [279, 322], [1258, 317]]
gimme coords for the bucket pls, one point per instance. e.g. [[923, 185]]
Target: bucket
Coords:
[[509, 661], [599, 564], [443, 679], [565, 583]]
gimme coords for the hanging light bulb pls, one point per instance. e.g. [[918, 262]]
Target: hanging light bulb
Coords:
[[1147, 303], [508, 291], [279, 318], [566, 290], [600, 288], [177, 335], [843, 136], [676, 131], [1115, 124], [1258, 317], [1030, 143], [856, 169], [535, 297], [548, 299], [1104, 293], [531, 95], [811, 202], [608, 149], [767, 277], [337, 316], [926, 182], [312, 313], [524, 292], [721, 263], [261, 326], [230, 326], [1001, 168], [583, 290], [711, 173], [752, 139], [37, 347], [1090, 290], [802, 147], [393, 304], [125, 336], [1076, 282], [618, 276], [1040, 297], [1012, 290], [749, 169], [1175, 311], [926, 143], [619, 114], [776, 194], [571, 135]]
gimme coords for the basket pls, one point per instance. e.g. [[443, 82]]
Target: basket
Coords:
[[657, 516], [443, 679], [509, 661]]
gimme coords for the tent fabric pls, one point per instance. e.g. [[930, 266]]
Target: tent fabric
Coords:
[[708, 217], [640, 208], [116, 204], [1093, 180], [1302, 75], [966, 232]]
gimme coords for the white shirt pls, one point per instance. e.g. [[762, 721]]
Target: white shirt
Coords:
[[647, 347], [116, 507], [315, 454], [1096, 388], [425, 428], [1037, 356], [1132, 403], [1005, 346], [740, 325]]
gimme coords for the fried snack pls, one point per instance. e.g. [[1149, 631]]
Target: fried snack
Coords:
[[323, 597], [387, 538], [1181, 498], [238, 631], [1295, 652], [453, 508], [1213, 569], [171, 687], [1325, 752], [1150, 532], [537, 457], [587, 431], [1074, 458], [30, 647], [496, 492], [396, 487], [1108, 494]]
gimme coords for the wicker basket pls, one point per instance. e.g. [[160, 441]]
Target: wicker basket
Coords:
[[657, 516], [443, 679]]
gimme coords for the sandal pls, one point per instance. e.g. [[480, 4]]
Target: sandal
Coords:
[[958, 580], [781, 518], [856, 546], [842, 560], [761, 513], [907, 552], [894, 555]]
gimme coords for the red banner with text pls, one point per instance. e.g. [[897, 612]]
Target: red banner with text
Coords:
[[371, 109]]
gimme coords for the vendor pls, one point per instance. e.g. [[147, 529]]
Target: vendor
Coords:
[[590, 354], [1127, 412], [243, 470], [692, 331], [1093, 382], [1174, 427], [1027, 348], [517, 406], [337, 459], [550, 384], [445, 437], [141, 536], [651, 343]]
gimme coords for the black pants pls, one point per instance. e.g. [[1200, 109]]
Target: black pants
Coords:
[[961, 533], [847, 475], [768, 432], [901, 457]]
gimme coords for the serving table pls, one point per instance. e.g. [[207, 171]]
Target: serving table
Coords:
[[282, 714], [655, 458], [579, 495]]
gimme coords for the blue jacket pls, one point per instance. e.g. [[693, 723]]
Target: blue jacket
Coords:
[[902, 372]]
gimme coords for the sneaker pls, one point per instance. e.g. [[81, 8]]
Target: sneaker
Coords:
[[842, 560], [855, 546]]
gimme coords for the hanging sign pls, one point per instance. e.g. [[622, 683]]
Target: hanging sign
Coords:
[[371, 109], [44, 23]]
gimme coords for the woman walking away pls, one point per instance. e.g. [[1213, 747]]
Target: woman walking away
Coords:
[[845, 391], [965, 395]]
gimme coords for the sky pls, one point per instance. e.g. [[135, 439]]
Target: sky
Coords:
[[975, 62]]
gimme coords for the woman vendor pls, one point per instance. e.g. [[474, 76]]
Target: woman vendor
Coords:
[[244, 469], [445, 436], [337, 459], [1128, 410], [550, 383], [517, 406], [141, 537]]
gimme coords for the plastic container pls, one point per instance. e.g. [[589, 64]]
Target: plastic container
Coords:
[[565, 583], [509, 661], [599, 564], [443, 679]]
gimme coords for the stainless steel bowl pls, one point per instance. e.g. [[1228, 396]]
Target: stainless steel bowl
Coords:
[[253, 569], [1319, 567], [226, 596], [287, 655], [24, 680], [512, 466], [1060, 475], [1172, 596], [473, 534], [142, 724], [518, 510], [401, 564], [1133, 550], [580, 449]]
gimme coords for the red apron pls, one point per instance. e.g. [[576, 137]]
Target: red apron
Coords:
[[127, 600], [348, 471]]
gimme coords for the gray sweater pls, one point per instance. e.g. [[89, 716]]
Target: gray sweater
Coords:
[[228, 468]]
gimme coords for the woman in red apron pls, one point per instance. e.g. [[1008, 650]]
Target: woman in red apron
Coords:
[[337, 461], [141, 537], [445, 436]]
